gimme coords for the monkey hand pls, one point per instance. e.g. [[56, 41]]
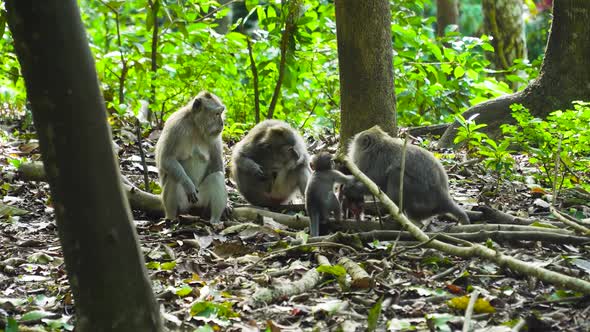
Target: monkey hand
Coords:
[[192, 197], [191, 193], [258, 171]]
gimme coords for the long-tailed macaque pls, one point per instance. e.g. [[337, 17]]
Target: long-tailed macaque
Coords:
[[425, 187], [270, 163], [320, 199], [189, 157]]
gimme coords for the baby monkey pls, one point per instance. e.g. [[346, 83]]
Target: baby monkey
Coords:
[[320, 199]]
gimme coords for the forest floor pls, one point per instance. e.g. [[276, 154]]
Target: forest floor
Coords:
[[207, 279]]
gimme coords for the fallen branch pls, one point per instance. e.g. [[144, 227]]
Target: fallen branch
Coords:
[[469, 311], [475, 250], [506, 228], [360, 277], [308, 281], [572, 224], [300, 222], [482, 236], [301, 246], [138, 199]]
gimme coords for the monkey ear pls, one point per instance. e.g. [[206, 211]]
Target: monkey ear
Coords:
[[366, 141], [311, 166], [197, 104]]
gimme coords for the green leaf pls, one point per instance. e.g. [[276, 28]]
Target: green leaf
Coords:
[[35, 315], [450, 54], [153, 265], [167, 266], [335, 270], [436, 51], [210, 309], [374, 314], [487, 47], [8, 210], [184, 291], [250, 4], [458, 72], [11, 325]]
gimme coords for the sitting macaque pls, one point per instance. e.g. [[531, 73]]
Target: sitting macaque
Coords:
[[270, 163], [425, 187], [189, 157], [320, 199]]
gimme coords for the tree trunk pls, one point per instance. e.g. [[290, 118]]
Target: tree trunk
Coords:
[[447, 13], [365, 56], [503, 20], [105, 267], [564, 75]]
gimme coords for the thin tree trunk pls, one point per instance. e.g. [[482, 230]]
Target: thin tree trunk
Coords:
[[447, 13], [154, 7], [365, 56], [503, 20], [564, 75], [105, 267]]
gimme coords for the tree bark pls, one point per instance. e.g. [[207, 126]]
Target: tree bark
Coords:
[[365, 55], [105, 267], [563, 78], [503, 20], [447, 13]]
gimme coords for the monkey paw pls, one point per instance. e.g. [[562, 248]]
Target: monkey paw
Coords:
[[192, 197], [228, 211]]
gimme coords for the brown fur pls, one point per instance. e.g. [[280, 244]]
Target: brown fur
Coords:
[[270, 163]]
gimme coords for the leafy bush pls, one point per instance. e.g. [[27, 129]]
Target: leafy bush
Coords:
[[435, 78], [496, 157], [565, 134]]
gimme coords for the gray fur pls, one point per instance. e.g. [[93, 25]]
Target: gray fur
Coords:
[[270, 163], [320, 199], [189, 157], [426, 189]]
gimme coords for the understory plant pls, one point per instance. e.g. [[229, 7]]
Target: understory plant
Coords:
[[559, 146]]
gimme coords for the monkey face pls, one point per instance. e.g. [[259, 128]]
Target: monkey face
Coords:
[[209, 113]]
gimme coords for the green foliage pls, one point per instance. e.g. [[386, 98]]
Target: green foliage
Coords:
[[211, 310], [337, 271], [468, 132], [564, 132], [435, 78], [11, 325], [496, 157], [374, 314]]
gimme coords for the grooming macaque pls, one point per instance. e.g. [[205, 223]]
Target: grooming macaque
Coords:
[[270, 163], [320, 199], [425, 186], [190, 160]]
